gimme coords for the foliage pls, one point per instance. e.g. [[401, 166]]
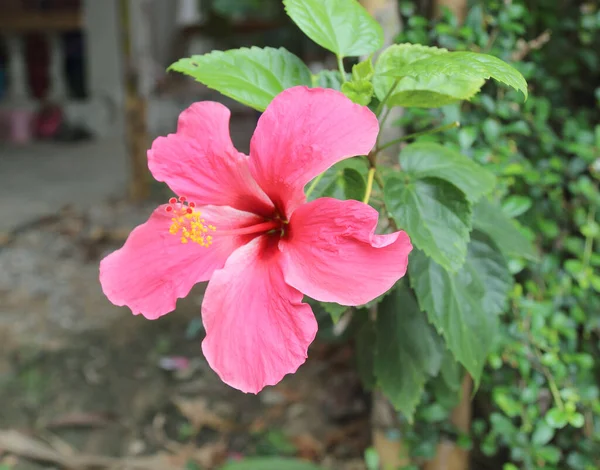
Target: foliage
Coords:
[[414, 91], [251, 76], [343, 27], [539, 397], [415, 341], [454, 300], [403, 367]]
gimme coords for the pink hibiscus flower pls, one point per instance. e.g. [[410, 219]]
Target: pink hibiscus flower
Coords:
[[243, 223]]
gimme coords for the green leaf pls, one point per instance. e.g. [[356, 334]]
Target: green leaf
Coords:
[[407, 351], [423, 159], [342, 181], [422, 92], [251, 76], [365, 354], [577, 420], [377, 300], [510, 466], [328, 79], [557, 418], [509, 405], [489, 218], [372, 459], [515, 206], [461, 66], [363, 70], [335, 310], [443, 394], [464, 305], [491, 130], [270, 463], [353, 183], [551, 455], [451, 372], [359, 92], [433, 413], [542, 435], [342, 26], [435, 214]]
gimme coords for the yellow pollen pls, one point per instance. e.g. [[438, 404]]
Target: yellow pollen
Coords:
[[187, 223]]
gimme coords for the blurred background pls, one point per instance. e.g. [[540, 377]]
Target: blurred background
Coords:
[[84, 384]]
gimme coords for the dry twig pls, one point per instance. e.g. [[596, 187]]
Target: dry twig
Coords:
[[13, 442]]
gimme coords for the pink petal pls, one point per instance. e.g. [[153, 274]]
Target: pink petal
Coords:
[[302, 133], [257, 328], [153, 269], [201, 163], [332, 255]]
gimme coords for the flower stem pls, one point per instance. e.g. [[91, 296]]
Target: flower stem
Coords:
[[369, 185], [382, 122], [435, 130], [340, 61], [314, 184]]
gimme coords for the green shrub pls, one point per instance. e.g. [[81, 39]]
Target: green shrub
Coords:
[[538, 405]]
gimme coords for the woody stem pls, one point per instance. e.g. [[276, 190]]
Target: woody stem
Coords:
[[446, 127]]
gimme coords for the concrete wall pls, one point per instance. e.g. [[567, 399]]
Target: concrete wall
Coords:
[[105, 67]]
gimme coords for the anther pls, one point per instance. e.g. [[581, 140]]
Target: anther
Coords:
[[187, 223]]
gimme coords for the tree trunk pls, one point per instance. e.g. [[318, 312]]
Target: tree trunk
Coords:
[[386, 434], [137, 145], [449, 456], [135, 110], [457, 7]]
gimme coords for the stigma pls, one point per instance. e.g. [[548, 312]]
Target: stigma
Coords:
[[187, 222]]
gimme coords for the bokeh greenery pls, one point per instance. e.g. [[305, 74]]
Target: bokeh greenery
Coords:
[[538, 406]]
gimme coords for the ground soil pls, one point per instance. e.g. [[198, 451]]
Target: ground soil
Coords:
[[82, 378]]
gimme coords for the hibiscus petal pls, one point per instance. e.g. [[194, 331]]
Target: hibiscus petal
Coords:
[[257, 328], [201, 163], [153, 269], [302, 133], [332, 254]]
